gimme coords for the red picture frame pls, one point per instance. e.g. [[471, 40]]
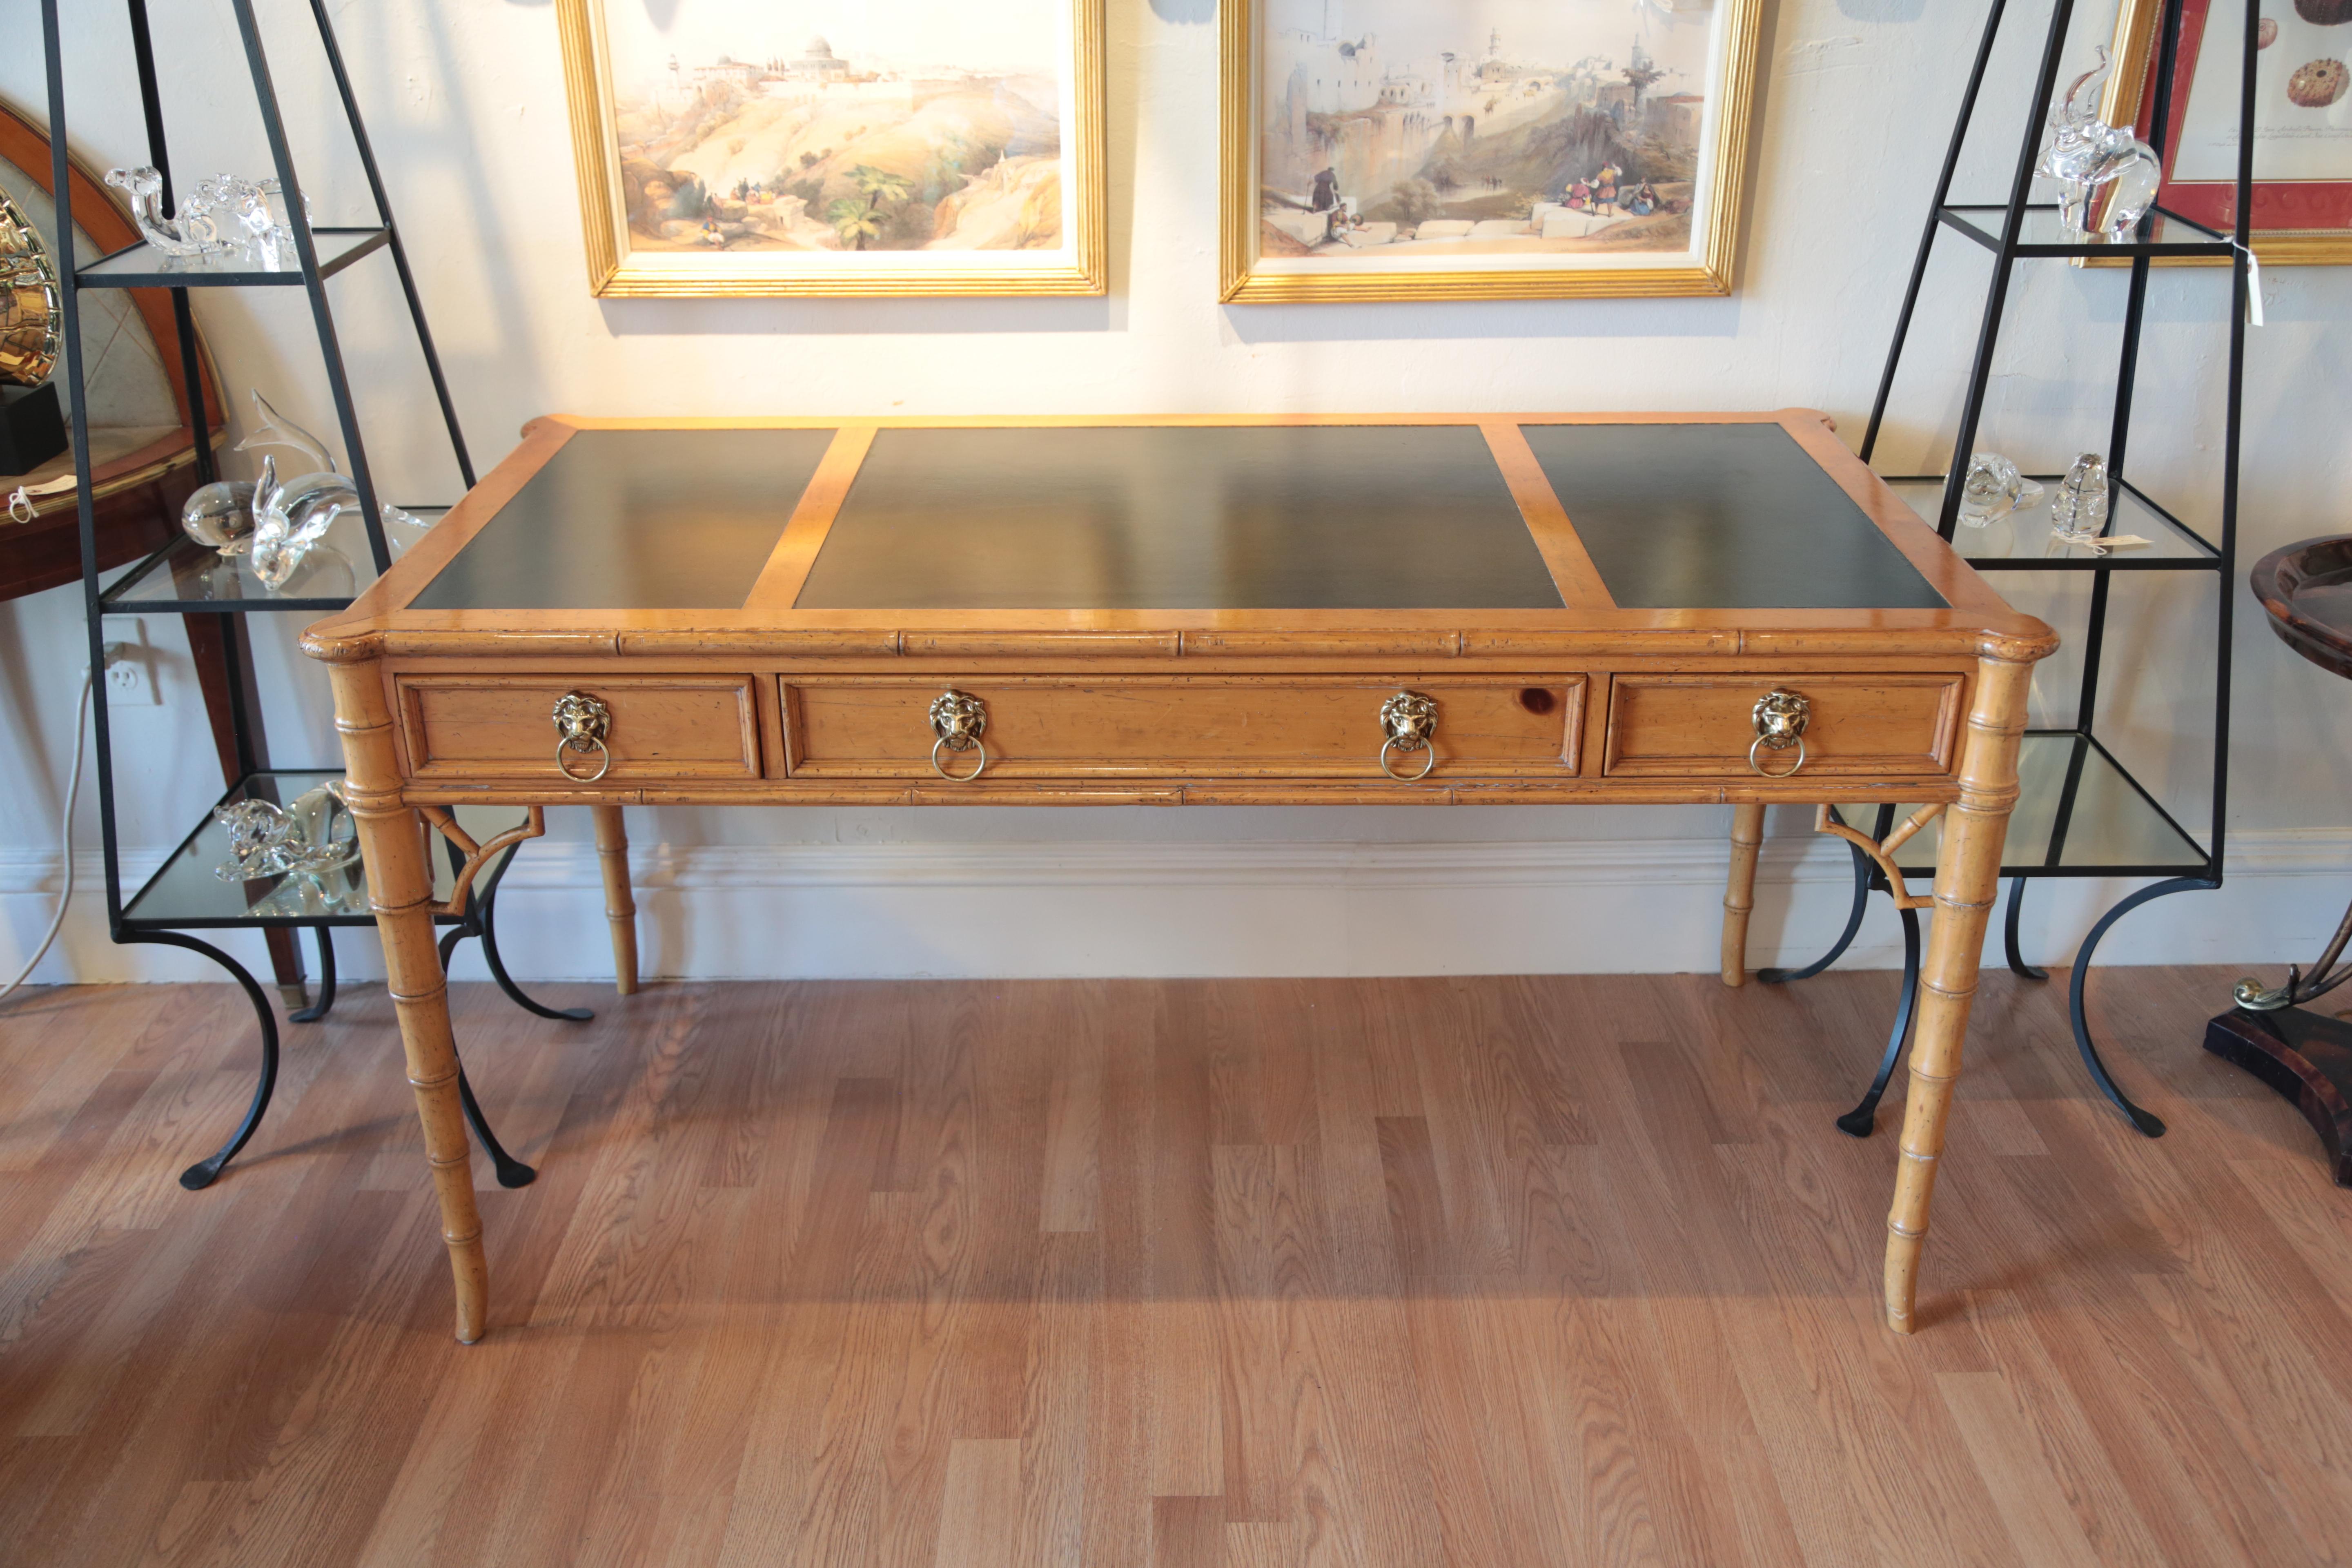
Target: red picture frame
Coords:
[[2301, 221]]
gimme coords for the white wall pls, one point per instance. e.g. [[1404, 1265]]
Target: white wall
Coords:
[[464, 103]]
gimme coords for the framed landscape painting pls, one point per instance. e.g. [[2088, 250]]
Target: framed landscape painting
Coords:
[[839, 147], [1483, 149], [2303, 120]]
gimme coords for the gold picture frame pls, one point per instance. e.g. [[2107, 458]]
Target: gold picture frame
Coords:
[[1705, 264], [2134, 52], [626, 262]]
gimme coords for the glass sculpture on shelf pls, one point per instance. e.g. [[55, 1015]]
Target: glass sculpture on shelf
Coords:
[[221, 215], [315, 833], [220, 514], [2078, 511], [2093, 161], [289, 517], [195, 231], [1992, 490]]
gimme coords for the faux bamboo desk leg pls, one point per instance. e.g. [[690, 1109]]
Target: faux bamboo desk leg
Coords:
[[1967, 875], [620, 907], [1740, 889], [400, 891]]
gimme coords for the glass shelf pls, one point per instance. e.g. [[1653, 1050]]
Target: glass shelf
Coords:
[[2076, 797], [2021, 541], [141, 266], [187, 576], [2042, 234], [184, 894]]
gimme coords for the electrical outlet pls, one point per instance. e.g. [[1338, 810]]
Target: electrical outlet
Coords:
[[130, 669]]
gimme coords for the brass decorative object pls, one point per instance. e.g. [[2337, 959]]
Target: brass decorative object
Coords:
[[582, 722], [1409, 723], [957, 719], [1781, 716], [31, 318]]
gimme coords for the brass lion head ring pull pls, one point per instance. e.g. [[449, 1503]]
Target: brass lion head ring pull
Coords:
[[1409, 722], [1781, 716], [957, 719], [582, 722]]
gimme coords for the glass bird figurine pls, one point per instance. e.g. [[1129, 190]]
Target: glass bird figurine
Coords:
[[2078, 512]]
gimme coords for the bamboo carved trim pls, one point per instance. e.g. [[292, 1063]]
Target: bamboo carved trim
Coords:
[[1882, 852], [534, 826]]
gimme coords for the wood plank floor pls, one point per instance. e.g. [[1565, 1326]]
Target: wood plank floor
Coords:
[[1410, 1272]]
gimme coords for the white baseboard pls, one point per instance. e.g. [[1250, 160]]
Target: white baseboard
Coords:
[[1044, 909]]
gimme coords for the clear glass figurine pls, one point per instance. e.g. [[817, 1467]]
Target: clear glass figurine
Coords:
[[2078, 512], [220, 215], [274, 245], [195, 231], [314, 834], [290, 516], [1993, 489], [2087, 155], [220, 514]]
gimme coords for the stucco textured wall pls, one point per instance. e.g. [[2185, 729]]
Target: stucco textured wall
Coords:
[[466, 105]]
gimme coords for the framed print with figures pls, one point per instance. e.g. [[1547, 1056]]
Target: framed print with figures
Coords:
[[2303, 120], [1483, 149], [837, 147]]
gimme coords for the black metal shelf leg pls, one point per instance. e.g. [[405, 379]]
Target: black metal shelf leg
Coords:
[[2009, 934], [513, 1173], [2146, 1121], [205, 1171], [317, 1010], [1863, 1119], [1861, 869], [488, 919]]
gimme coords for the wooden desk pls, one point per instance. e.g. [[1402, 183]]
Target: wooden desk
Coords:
[[1178, 612]]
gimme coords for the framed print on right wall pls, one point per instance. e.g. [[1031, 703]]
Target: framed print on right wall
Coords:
[[2302, 119], [1482, 149]]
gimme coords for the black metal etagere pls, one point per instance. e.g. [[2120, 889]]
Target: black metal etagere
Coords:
[[2080, 813], [188, 578]]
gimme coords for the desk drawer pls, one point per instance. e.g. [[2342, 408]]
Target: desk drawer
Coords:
[[501, 727], [1683, 726], [1195, 726]]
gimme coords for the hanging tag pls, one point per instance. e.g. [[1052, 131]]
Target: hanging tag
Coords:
[[20, 500], [2254, 284]]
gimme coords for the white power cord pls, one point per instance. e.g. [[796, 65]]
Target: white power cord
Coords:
[[73, 788]]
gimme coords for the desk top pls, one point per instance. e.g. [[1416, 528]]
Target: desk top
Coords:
[[1283, 532]]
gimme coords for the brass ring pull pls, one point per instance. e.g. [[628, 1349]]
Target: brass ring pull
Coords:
[[1762, 740], [582, 722], [1428, 761], [1781, 716], [957, 719], [565, 747], [1408, 720], [975, 743]]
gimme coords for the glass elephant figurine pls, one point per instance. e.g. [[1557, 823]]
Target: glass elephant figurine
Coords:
[[2094, 162]]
